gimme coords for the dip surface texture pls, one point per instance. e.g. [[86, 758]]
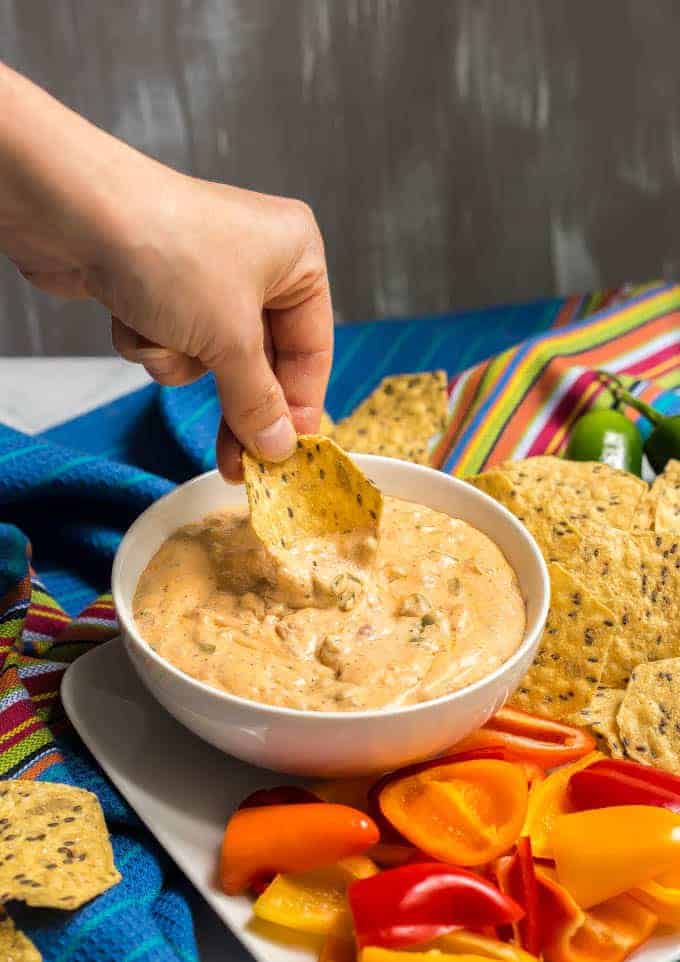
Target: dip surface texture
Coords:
[[439, 608]]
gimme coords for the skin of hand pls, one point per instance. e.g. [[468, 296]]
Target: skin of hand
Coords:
[[197, 276]]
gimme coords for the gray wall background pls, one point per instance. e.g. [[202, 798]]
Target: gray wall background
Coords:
[[456, 152]]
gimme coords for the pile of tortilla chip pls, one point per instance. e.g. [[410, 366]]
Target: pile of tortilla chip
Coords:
[[402, 418], [54, 853], [610, 653]]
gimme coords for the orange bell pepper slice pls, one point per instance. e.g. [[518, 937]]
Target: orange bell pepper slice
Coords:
[[314, 901], [464, 813], [543, 741], [662, 896], [265, 841], [547, 800], [335, 949], [606, 851], [606, 933]]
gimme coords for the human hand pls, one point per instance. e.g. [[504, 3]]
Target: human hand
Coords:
[[197, 276]]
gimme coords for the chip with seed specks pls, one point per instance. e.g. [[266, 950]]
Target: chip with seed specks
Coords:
[[572, 653], [54, 845], [327, 425], [600, 717], [575, 491], [666, 494], [14, 945], [649, 716], [399, 419], [317, 492]]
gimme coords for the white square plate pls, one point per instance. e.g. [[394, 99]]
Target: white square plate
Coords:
[[184, 790]]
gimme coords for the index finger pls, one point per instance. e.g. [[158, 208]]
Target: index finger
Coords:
[[302, 337]]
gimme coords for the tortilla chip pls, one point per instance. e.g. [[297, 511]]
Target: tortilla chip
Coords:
[[666, 491], [327, 425], [576, 491], [317, 492], [573, 651], [399, 419], [54, 845], [600, 717], [637, 575], [649, 717], [14, 945]]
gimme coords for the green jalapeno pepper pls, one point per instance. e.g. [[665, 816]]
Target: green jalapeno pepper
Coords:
[[663, 444], [606, 435]]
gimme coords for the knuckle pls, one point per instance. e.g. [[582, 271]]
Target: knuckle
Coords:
[[264, 406]]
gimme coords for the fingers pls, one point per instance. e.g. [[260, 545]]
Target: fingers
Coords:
[[253, 404], [164, 365], [229, 451], [303, 346]]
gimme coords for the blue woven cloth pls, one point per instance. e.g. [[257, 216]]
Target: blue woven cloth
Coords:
[[73, 490]]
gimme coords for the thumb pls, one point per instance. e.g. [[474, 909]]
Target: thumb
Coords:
[[253, 404]]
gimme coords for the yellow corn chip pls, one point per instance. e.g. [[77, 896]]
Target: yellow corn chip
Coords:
[[399, 419], [14, 945], [572, 653], [54, 845], [318, 491], [327, 425], [576, 491], [666, 490], [649, 716], [600, 717]]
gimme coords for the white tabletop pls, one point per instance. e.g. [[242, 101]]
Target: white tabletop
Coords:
[[38, 393]]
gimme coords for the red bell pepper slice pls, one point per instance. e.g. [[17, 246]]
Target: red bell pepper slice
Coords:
[[516, 877], [611, 782], [528, 738], [413, 904], [281, 795]]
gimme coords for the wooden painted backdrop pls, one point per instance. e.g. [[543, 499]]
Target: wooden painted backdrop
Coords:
[[456, 152]]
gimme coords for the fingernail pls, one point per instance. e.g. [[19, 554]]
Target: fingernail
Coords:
[[277, 441]]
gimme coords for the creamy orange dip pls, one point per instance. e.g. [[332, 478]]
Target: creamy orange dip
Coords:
[[438, 608]]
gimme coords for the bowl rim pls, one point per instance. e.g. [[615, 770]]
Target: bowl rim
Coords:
[[129, 628]]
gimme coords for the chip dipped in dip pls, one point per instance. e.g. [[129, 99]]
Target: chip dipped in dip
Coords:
[[439, 607]]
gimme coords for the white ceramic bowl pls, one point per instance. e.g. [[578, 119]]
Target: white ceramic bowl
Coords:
[[331, 743]]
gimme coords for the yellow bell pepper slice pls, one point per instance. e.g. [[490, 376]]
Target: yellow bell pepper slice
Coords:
[[607, 851], [547, 800], [391, 955], [462, 942], [314, 901]]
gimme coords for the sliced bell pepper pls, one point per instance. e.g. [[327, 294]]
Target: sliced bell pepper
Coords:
[[516, 877], [662, 896], [463, 813], [613, 782], [388, 832], [547, 800], [336, 949], [601, 853], [290, 838], [464, 942], [389, 955], [607, 933], [543, 741], [281, 795], [414, 904], [314, 901]]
